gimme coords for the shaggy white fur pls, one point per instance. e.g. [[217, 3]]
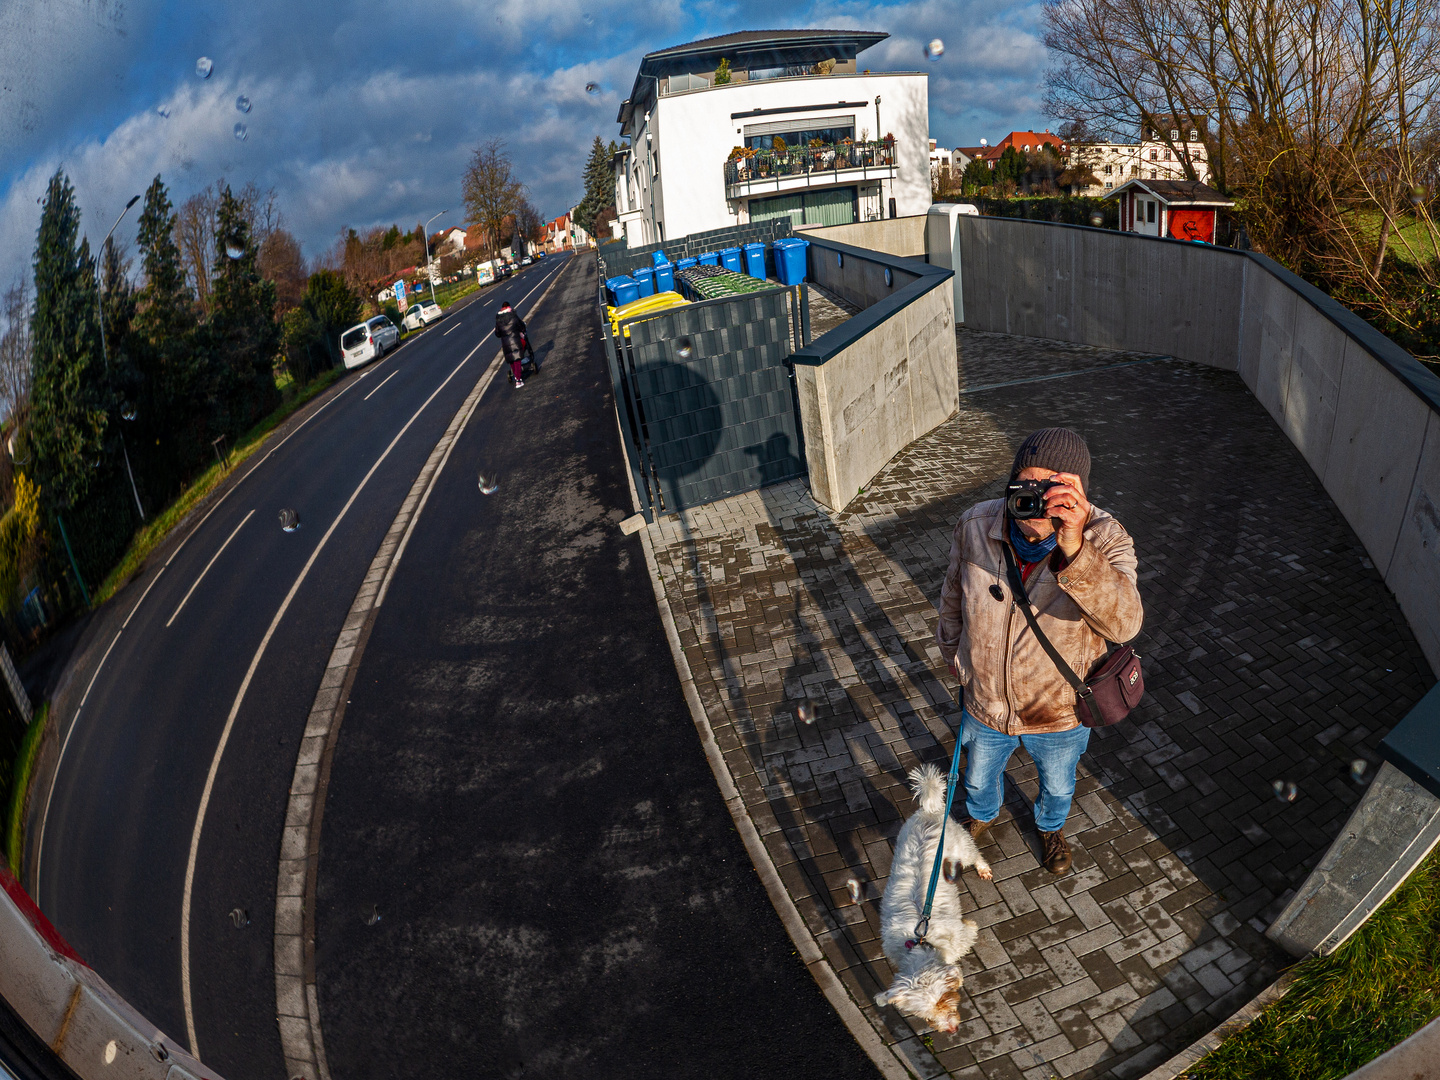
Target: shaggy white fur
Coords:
[[927, 976]]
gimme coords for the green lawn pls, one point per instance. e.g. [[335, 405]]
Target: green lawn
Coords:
[[154, 531], [20, 788], [1347, 1008]]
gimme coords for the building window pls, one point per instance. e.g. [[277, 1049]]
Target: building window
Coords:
[[655, 163], [1152, 175], [1174, 135], [1194, 135], [1154, 155], [1027, 148], [1108, 186], [1167, 155], [1134, 170], [1109, 169]]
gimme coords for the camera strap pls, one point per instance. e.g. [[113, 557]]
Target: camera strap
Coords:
[[1023, 599]]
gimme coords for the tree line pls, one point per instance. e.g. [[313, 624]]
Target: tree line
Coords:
[[121, 391]]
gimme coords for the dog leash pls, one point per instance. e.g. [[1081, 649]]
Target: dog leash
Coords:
[[951, 782]]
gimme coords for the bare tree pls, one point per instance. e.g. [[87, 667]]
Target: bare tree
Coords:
[[280, 261], [1319, 115], [491, 190], [195, 237], [15, 348]]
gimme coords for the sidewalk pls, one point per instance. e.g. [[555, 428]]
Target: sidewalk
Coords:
[[1272, 651]]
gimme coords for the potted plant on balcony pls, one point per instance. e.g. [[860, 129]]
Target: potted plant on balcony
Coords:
[[741, 156]]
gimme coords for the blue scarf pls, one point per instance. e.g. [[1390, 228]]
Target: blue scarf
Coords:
[[1031, 551]]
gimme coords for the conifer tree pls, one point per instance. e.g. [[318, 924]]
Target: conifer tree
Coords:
[[242, 336], [68, 417], [599, 187]]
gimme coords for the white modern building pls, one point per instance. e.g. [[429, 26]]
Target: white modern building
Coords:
[[799, 130]]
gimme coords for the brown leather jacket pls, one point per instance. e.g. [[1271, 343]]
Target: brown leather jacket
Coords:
[[1010, 683]]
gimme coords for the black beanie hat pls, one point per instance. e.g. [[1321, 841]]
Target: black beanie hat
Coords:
[[1055, 448]]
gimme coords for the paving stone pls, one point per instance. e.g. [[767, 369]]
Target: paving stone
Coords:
[[1281, 638]]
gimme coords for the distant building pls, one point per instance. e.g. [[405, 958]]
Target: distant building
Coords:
[[942, 164], [1025, 142], [1164, 147], [797, 132]]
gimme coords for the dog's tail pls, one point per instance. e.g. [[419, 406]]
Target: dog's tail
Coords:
[[928, 784]]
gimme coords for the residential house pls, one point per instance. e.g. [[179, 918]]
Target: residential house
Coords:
[[941, 165], [1026, 142], [796, 132], [1164, 147]]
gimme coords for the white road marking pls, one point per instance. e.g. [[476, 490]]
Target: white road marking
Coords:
[[455, 327], [240, 697], [383, 381], [209, 564]]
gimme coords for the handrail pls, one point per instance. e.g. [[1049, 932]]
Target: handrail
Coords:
[[806, 160]]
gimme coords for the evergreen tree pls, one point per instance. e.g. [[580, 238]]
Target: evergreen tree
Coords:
[[332, 307], [170, 424], [242, 338], [69, 403], [599, 183]]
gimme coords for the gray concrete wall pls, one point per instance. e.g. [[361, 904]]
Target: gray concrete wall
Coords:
[[903, 236], [866, 403], [1362, 411], [859, 280]]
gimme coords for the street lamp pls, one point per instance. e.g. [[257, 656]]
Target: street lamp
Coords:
[[104, 350], [428, 271]]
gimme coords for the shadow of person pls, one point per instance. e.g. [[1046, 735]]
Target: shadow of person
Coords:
[[774, 459], [682, 425]]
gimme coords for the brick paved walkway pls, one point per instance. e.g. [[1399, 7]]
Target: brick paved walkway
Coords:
[[1272, 650]]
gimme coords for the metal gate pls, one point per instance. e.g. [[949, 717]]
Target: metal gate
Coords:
[[706, 397]]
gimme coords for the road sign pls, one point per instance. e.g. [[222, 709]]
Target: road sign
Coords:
[[400, 295]]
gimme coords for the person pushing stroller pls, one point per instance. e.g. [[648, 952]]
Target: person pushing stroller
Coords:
[[510, 329]]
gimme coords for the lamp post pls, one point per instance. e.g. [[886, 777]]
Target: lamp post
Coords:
[[105, 352], [428, 271]]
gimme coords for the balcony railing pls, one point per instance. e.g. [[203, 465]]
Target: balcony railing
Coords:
[[808, 160]]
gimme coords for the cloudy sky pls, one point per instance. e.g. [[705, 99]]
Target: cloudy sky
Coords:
[[363, 112]]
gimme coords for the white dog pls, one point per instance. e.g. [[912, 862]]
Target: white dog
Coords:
[[927, 975]]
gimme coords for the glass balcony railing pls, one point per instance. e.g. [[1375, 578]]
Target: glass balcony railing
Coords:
[[807, 160]]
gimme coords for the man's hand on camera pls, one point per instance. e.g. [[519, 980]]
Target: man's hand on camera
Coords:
[[1068, 510]]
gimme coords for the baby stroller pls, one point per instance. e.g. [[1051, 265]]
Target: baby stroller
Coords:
[[528, 367]]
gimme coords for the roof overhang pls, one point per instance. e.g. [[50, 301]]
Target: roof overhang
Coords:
[[1170, 198]]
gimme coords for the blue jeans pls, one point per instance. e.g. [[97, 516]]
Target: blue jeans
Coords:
[[1056, 754]]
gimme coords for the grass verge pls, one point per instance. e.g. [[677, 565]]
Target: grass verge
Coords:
[[154, 531], [1346, 1009], [20, 788]]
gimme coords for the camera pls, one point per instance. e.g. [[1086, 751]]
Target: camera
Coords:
[[1025, 499]]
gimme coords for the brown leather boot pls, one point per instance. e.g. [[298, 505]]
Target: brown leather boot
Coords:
[[1057, 852], [976, 829]]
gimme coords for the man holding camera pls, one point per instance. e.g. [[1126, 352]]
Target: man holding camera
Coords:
[[1078, 568]]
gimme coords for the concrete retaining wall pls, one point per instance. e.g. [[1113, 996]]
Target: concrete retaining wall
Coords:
[[1363, 411], [903, 236], [881, 379]]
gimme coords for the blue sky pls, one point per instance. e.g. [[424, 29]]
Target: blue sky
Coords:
[[365, 111]]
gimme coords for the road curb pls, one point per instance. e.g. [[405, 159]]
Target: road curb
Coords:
[[1238, 1021], [297, 1005]]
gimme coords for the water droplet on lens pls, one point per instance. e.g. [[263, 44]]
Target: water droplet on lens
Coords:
[[589, 19], [935, 50], [164, 112], [127, 411], [203, 67], [233, 251], [1097, 219], [1418, 194], [242, 103], [374, 916], [289, 520], [805, 711], [1357, 770], [684, 348], [240, 133], [854, 887], [240, 917], [592, 88], [489, 484], [1278, 786], [1285, 790]]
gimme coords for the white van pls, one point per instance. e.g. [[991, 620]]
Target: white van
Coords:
[[368, 341]]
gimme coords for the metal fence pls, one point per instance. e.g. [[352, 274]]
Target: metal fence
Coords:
[[807, 160], [706, 397]]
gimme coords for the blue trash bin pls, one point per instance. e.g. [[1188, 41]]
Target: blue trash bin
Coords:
[[659, 257], [755, 260], [665, 277], [790, 265], [686, 263], [709, 258], [730, 258], [623, 290], [645, 278]]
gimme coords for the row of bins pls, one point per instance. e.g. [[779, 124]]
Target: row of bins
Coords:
[[644, 281]]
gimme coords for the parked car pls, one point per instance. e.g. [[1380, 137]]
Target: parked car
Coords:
[[526, 261], [368, 341], [422, 314]]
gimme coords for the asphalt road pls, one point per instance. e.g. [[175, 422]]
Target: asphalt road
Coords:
[[110, 863], [520, 792]]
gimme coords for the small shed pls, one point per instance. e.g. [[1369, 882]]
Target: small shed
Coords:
[[1181, 209]]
